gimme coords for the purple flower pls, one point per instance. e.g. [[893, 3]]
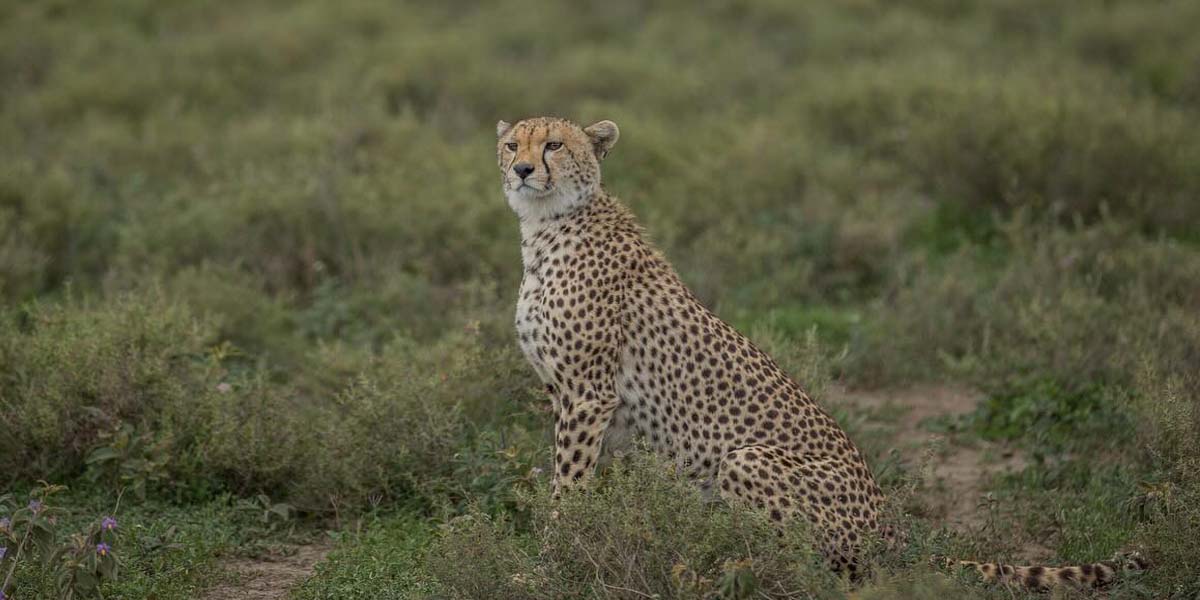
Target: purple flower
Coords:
[[108, 524], [35, 506], [3, 551], [5, 523], [102, 549], [2, 596]]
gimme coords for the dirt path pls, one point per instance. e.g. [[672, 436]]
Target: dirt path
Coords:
[[269, 577], [958, 472]]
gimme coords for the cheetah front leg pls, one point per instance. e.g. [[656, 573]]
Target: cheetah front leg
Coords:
[[579, 433]]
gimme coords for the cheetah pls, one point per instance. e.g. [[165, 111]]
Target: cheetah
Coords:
[[626, 352]]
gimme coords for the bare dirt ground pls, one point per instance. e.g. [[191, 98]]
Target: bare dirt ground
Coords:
[[268, 577], [957, 472]]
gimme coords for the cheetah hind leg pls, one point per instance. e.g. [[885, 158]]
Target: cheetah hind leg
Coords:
[[839, 503]]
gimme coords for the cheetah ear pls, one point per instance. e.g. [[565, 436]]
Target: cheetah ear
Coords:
[[604, 136], [502, 128]]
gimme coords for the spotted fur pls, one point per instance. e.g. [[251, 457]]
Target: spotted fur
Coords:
[[1096, 574], [627, 352]]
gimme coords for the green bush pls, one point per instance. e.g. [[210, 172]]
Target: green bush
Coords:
[[1074, 306], [388, 435], [644, 530], [75, 370], [56, 225], [1066, 149], [142, 382], [1044, 411]]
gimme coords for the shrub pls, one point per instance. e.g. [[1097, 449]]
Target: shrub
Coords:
[[1119, 37], [77, 369], [1170, 404], [1064, 150], [389, 435], [48, 234], [642, 530], [1063, 305], [150, 395]]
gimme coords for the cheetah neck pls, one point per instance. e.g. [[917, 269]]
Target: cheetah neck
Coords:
[[539, 216]]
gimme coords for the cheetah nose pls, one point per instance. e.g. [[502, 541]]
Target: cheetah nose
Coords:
[[523, 169]]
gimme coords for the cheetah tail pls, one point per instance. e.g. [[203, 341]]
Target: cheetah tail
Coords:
[[1044, 578]]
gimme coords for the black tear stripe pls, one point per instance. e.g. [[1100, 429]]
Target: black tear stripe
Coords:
[[509, 166]]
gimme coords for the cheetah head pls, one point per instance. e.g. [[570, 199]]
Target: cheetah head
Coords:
[[549, 165]]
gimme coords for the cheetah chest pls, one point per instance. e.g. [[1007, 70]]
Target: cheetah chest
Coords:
[[531, 323], [539, 325]]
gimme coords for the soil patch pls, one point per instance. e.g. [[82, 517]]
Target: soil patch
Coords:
[[268, 577], [958, 471]]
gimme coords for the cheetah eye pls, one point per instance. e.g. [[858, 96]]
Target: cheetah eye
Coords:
[[511, 146], [553, 145]]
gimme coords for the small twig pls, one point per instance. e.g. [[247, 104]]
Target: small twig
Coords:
[[117, 507], [625, 589], [579, 543], [600, 580]]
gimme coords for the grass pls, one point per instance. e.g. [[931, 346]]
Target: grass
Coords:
[[382, 561], [166, 550], [259, 249]]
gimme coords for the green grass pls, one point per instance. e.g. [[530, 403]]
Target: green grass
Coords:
[[166, 550], [260, 248], [383, 561]]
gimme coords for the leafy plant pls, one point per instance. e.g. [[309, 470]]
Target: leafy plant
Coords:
[[1044, 410], [78, 564], [493, 472], [271, 515], [129, 459]]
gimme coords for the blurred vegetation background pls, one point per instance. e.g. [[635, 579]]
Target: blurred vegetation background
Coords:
[[260, 248]]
